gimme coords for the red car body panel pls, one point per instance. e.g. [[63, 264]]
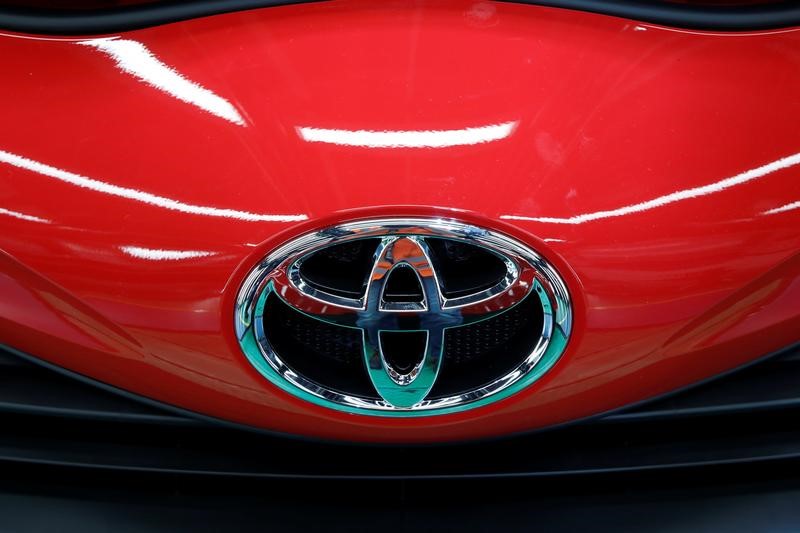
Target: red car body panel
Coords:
[[143, 175]]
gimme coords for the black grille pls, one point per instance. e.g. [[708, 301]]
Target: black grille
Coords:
[[751, 415], [520, 325], [465, 268], [480, 353], [474, 355], [332, 355], [341, 269]]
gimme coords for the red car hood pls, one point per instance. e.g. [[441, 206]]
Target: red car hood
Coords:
[[143, 175]]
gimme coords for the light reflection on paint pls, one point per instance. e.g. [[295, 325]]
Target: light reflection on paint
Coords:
[[157, 254], [408, 138], [23, 216], [139, 196], [686, 194], [137, 60], [782, 209]]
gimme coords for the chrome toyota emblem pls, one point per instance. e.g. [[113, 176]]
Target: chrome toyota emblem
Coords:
[[375, 312]]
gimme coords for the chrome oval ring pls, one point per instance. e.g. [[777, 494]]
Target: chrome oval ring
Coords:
[[548, 287]]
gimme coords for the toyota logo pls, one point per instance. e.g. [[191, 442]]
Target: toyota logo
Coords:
[[400, 253]]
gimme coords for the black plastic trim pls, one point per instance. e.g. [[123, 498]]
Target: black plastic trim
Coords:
[[759, 17], [612, 416], [155, 403], [57, 22], [760, 497], [645, 443], [90, 414], [9, 360], [523, 473]]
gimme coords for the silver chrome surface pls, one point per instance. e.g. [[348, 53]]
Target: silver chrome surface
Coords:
[[402, 245]]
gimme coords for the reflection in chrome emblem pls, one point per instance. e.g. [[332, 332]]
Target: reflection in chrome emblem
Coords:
[[404, 244]]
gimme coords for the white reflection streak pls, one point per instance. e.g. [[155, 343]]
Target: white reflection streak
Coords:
[[677, 196], [139, 196], [23, 216], [408, 139], [153, 254], [783, 208], [134, 58]]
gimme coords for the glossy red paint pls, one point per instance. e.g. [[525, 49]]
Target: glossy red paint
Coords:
[[142, 176]]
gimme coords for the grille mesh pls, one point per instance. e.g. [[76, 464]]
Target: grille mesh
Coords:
[[474, 355], [327, 354], [474, 342], [332, 355], [318, 339]]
